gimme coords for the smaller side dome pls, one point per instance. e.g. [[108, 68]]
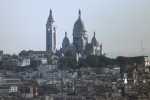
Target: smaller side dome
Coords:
[[94, 42], [66, 41]]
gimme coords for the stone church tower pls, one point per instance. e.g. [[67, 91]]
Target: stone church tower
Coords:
[[80, 38], [50, 34]]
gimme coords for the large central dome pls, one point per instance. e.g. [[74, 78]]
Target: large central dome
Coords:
[[79, 25], [80, 38]]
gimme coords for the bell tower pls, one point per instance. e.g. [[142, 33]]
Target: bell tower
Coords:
[[50, 34]]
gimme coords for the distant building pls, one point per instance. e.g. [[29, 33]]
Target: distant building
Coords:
[[80, 41], [29, 89], [9, 85], [34, 54], [49, 72], [24, 62]]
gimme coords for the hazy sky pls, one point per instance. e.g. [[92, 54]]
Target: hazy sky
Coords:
[[120, 25]]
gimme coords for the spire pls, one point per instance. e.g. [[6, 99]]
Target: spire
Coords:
[[54, 29], [94, 41], [51, 16], [65, 34], [50, 12], [101, 48], [79, 13], [94, 34], [65, 42]]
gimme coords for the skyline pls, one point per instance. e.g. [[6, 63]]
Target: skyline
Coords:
[[119, 25]]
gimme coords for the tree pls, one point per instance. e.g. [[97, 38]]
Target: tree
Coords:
[[67, 62]]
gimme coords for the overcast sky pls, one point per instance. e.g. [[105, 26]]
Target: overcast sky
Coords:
[[121, 25]]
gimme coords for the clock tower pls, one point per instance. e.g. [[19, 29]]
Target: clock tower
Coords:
[[50, 34]]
